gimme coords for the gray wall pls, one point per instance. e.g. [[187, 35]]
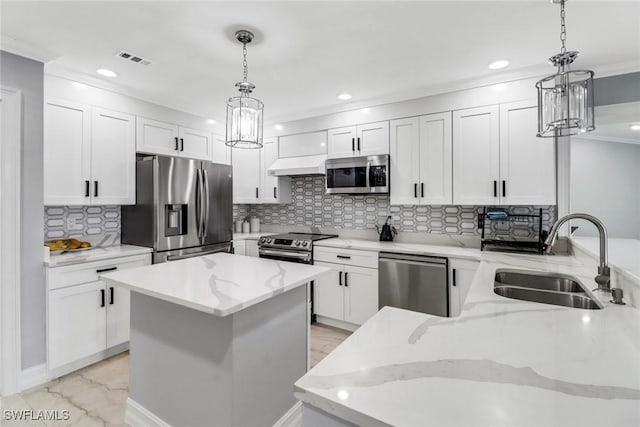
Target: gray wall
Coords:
[[616, 89], [27, 76], [605, 178]]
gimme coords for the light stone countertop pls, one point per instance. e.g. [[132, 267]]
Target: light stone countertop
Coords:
[[623, 253], [250, 236], [95, 254], [502, 362], [220, 284]]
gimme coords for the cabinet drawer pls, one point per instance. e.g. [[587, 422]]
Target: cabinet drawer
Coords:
[[60, 277], [346, 257]]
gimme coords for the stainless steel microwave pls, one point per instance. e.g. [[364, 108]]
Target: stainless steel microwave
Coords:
[[357, 175]]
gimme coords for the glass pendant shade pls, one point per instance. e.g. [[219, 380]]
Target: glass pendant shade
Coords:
[[244, 122], [565, 104]]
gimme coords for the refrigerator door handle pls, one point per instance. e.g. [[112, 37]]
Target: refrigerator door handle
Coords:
[[199, 202], [207, 198]]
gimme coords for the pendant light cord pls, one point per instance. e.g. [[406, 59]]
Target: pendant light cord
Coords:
[[244, 62], [563, 27]]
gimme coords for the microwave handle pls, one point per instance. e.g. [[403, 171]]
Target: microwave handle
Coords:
[[368, 175]]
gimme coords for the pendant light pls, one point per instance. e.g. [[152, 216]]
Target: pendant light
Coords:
[[244, 113], [565, 99]]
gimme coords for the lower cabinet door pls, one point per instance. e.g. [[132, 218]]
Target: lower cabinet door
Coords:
[[461, 273], [251, 248], [328, 293], [77, 323], [118, 311], [361, 293]]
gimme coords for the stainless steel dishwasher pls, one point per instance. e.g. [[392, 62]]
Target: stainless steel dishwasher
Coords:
[[413, 282]]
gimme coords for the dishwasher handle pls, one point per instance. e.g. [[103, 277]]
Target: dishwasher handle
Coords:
[[412, 259]]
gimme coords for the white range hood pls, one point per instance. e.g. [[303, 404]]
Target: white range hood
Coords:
[[303, 165]]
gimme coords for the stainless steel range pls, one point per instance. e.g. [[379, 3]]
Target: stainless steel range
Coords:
[[294, 247]]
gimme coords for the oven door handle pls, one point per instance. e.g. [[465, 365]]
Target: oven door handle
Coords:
[[290, 254]]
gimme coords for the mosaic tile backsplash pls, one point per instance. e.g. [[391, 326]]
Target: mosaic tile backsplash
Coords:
[[99, 225], [310, 206]]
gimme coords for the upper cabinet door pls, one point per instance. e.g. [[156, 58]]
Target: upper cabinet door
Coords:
[[246, 175], [221, 153], [195, 144], [405, 161], [273, 189], [155, 137], [527, 163], [67, 153], [476, 156], [113, 158], [372, 139], [303, 144], [342, 143], [436, 155]]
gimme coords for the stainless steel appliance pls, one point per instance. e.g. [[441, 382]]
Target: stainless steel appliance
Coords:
[[183, 208], [413, 282], [293, 247], [367, 174]]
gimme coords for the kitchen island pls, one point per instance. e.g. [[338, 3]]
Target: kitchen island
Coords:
[[216, 340], [502, 362]]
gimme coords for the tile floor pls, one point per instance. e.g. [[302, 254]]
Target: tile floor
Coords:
[[97, 394]]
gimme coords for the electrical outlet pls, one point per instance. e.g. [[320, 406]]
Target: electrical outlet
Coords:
[[71, 222]]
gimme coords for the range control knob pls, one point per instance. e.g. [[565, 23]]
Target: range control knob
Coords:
[[262, 240], [305, 243], [269, 240], [297, 243]]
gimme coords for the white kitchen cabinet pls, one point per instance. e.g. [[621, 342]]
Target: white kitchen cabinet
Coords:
[[476, 156], [251, 247], [246, 175], [85, 317], [363, 140], [273, 189], [167, 139], [221, 153], [239, 247], [89, 155], [350, 292], [527, 163], [67, 152], [461, 273], [303, 144], [421, 160], [113, 160]]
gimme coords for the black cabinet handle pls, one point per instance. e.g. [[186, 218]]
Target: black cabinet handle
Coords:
[[177, 146], [256, 192], [87, 184], [340, 279], [104, 270], [504, 188], [422, 189], [181, 144], [415, 190], [275, 193], [95, 188], [111, 295], [454, 277], [353, 144], [343, 256], [358, 143], [101, 297], [346, 281], [495, 188]]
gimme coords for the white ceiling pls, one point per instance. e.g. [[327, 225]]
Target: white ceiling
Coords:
[[307, 52], [613, 123]]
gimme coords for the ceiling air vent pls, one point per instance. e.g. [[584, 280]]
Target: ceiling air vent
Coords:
[[133, 57]]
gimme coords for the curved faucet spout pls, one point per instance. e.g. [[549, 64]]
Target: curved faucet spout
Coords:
[[604, 276]]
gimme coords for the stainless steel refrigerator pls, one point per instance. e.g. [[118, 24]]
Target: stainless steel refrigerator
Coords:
[[183, 208]]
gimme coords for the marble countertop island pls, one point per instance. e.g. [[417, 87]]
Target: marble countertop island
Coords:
[[502, 362], [94, 254], [219, 284]]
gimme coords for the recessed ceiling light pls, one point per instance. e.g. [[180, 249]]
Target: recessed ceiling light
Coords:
[[634, 127], [211, 122], [106, 73], [344, 96], [278, 127], [497, 65]]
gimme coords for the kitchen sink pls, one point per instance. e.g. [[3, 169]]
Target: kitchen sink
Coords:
[[546, 288]]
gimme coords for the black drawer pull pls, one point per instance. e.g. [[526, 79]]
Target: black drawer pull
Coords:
[[353, 144], [415, 190], [454, 277], [346, 282], [422, 189], [358, 143], [343, 256], [504, 188], [340, 279], [95, 188], [111, 295], [104, 270], [181, 144], [177, 146], [275, 193], [495, 188], [256, 192], [87, 184], [101, 297]]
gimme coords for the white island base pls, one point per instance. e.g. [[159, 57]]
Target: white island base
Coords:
[[189, 368]]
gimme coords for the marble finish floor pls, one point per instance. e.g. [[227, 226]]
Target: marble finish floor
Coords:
[[96, 395]]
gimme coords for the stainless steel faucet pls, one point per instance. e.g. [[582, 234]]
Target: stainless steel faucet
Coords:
[[603, 279]]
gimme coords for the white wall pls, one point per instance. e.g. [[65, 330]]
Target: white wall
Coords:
[[605, 182], [26, 75]]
